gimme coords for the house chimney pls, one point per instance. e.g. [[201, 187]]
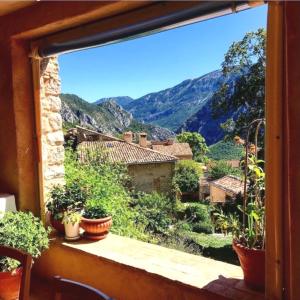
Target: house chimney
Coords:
[[128, 136], [143, 139]]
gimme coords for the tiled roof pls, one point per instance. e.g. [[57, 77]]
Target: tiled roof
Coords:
[[175, 149], [102, 136], [230, 184], [121, 151]]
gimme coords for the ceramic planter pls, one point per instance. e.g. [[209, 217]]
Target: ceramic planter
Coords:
[[72, 231], [57, 225], [96, 229], [10, 284], [253, 265]]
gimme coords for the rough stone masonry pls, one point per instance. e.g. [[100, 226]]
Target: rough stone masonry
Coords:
[[52, 133]]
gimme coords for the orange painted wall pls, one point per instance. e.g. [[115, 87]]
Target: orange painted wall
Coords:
[[119, 281]]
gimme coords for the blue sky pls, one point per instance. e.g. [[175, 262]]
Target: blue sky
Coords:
[[137, 67]]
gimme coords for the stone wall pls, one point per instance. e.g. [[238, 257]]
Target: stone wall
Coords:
[[52, 134], [152, 177]]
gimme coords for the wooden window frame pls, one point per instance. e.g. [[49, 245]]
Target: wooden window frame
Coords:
[[274, 143]]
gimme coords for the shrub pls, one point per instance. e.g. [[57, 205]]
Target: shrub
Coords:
[[154, 211], [202, 227], [199, 216], [22, 231], [197, 212], [187, 175], [221, 168]]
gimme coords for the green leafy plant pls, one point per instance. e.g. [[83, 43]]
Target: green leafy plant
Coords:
[[95, 209], [107, 182], [227, 223], [251, 231], [254, 209], [71, 217], [251, 234], [22, 231], [187, 174], [66, 198]]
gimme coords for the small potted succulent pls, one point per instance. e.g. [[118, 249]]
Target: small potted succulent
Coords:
[[24, 232], [71, 221], [64, 198], [96, 220], [249, 231]]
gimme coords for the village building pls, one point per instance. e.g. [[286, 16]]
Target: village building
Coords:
[[150, 170], [180, 150], [80, 134], [225, 189], [204, 187]]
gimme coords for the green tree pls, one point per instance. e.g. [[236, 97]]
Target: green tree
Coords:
[[246, 59], [221, 168], [187, 174], [196, 142]]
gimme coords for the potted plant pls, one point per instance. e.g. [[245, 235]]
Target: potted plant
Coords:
[[71, 221], [96, 220], [64, 198], [25, 232], [249, 230]]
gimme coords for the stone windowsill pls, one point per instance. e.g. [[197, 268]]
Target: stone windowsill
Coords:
[[192, 270]]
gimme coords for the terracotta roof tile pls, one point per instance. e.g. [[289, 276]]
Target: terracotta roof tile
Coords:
[[229, 183], [128, 153], [174, 149]]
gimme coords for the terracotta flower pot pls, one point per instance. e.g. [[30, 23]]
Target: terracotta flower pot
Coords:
[[57, 225], [96, 229], [10, 284], [253, 265]]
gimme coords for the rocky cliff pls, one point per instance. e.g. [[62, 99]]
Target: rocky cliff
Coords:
[[106, 117]]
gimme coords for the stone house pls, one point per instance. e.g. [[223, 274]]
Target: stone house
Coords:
[[150, 170], [180, 150], [79, 134], [225, 189]]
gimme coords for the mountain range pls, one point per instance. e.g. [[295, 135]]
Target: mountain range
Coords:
[[184, 107], [170, 108], [106, 117], [121, 100]]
